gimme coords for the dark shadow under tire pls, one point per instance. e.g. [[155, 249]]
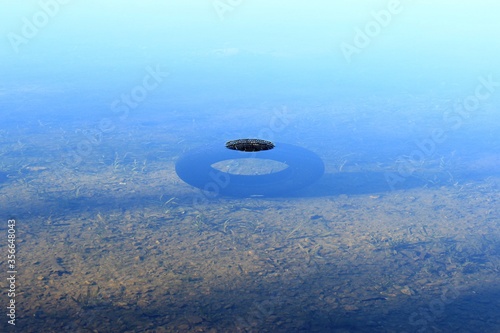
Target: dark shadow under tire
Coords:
[[304, 168]]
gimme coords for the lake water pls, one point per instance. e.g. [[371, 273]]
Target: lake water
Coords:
[[398, 101]]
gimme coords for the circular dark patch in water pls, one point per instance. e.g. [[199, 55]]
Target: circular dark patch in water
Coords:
[[250, 145]]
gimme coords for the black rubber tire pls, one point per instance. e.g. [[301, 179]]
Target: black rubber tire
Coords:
[[304, 168]]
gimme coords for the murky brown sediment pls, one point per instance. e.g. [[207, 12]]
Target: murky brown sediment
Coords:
[[117, 246]]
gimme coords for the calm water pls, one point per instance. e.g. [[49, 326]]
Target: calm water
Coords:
[[399, 100]]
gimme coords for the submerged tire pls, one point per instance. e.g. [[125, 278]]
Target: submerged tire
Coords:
[[249, 145], [304, 168]]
